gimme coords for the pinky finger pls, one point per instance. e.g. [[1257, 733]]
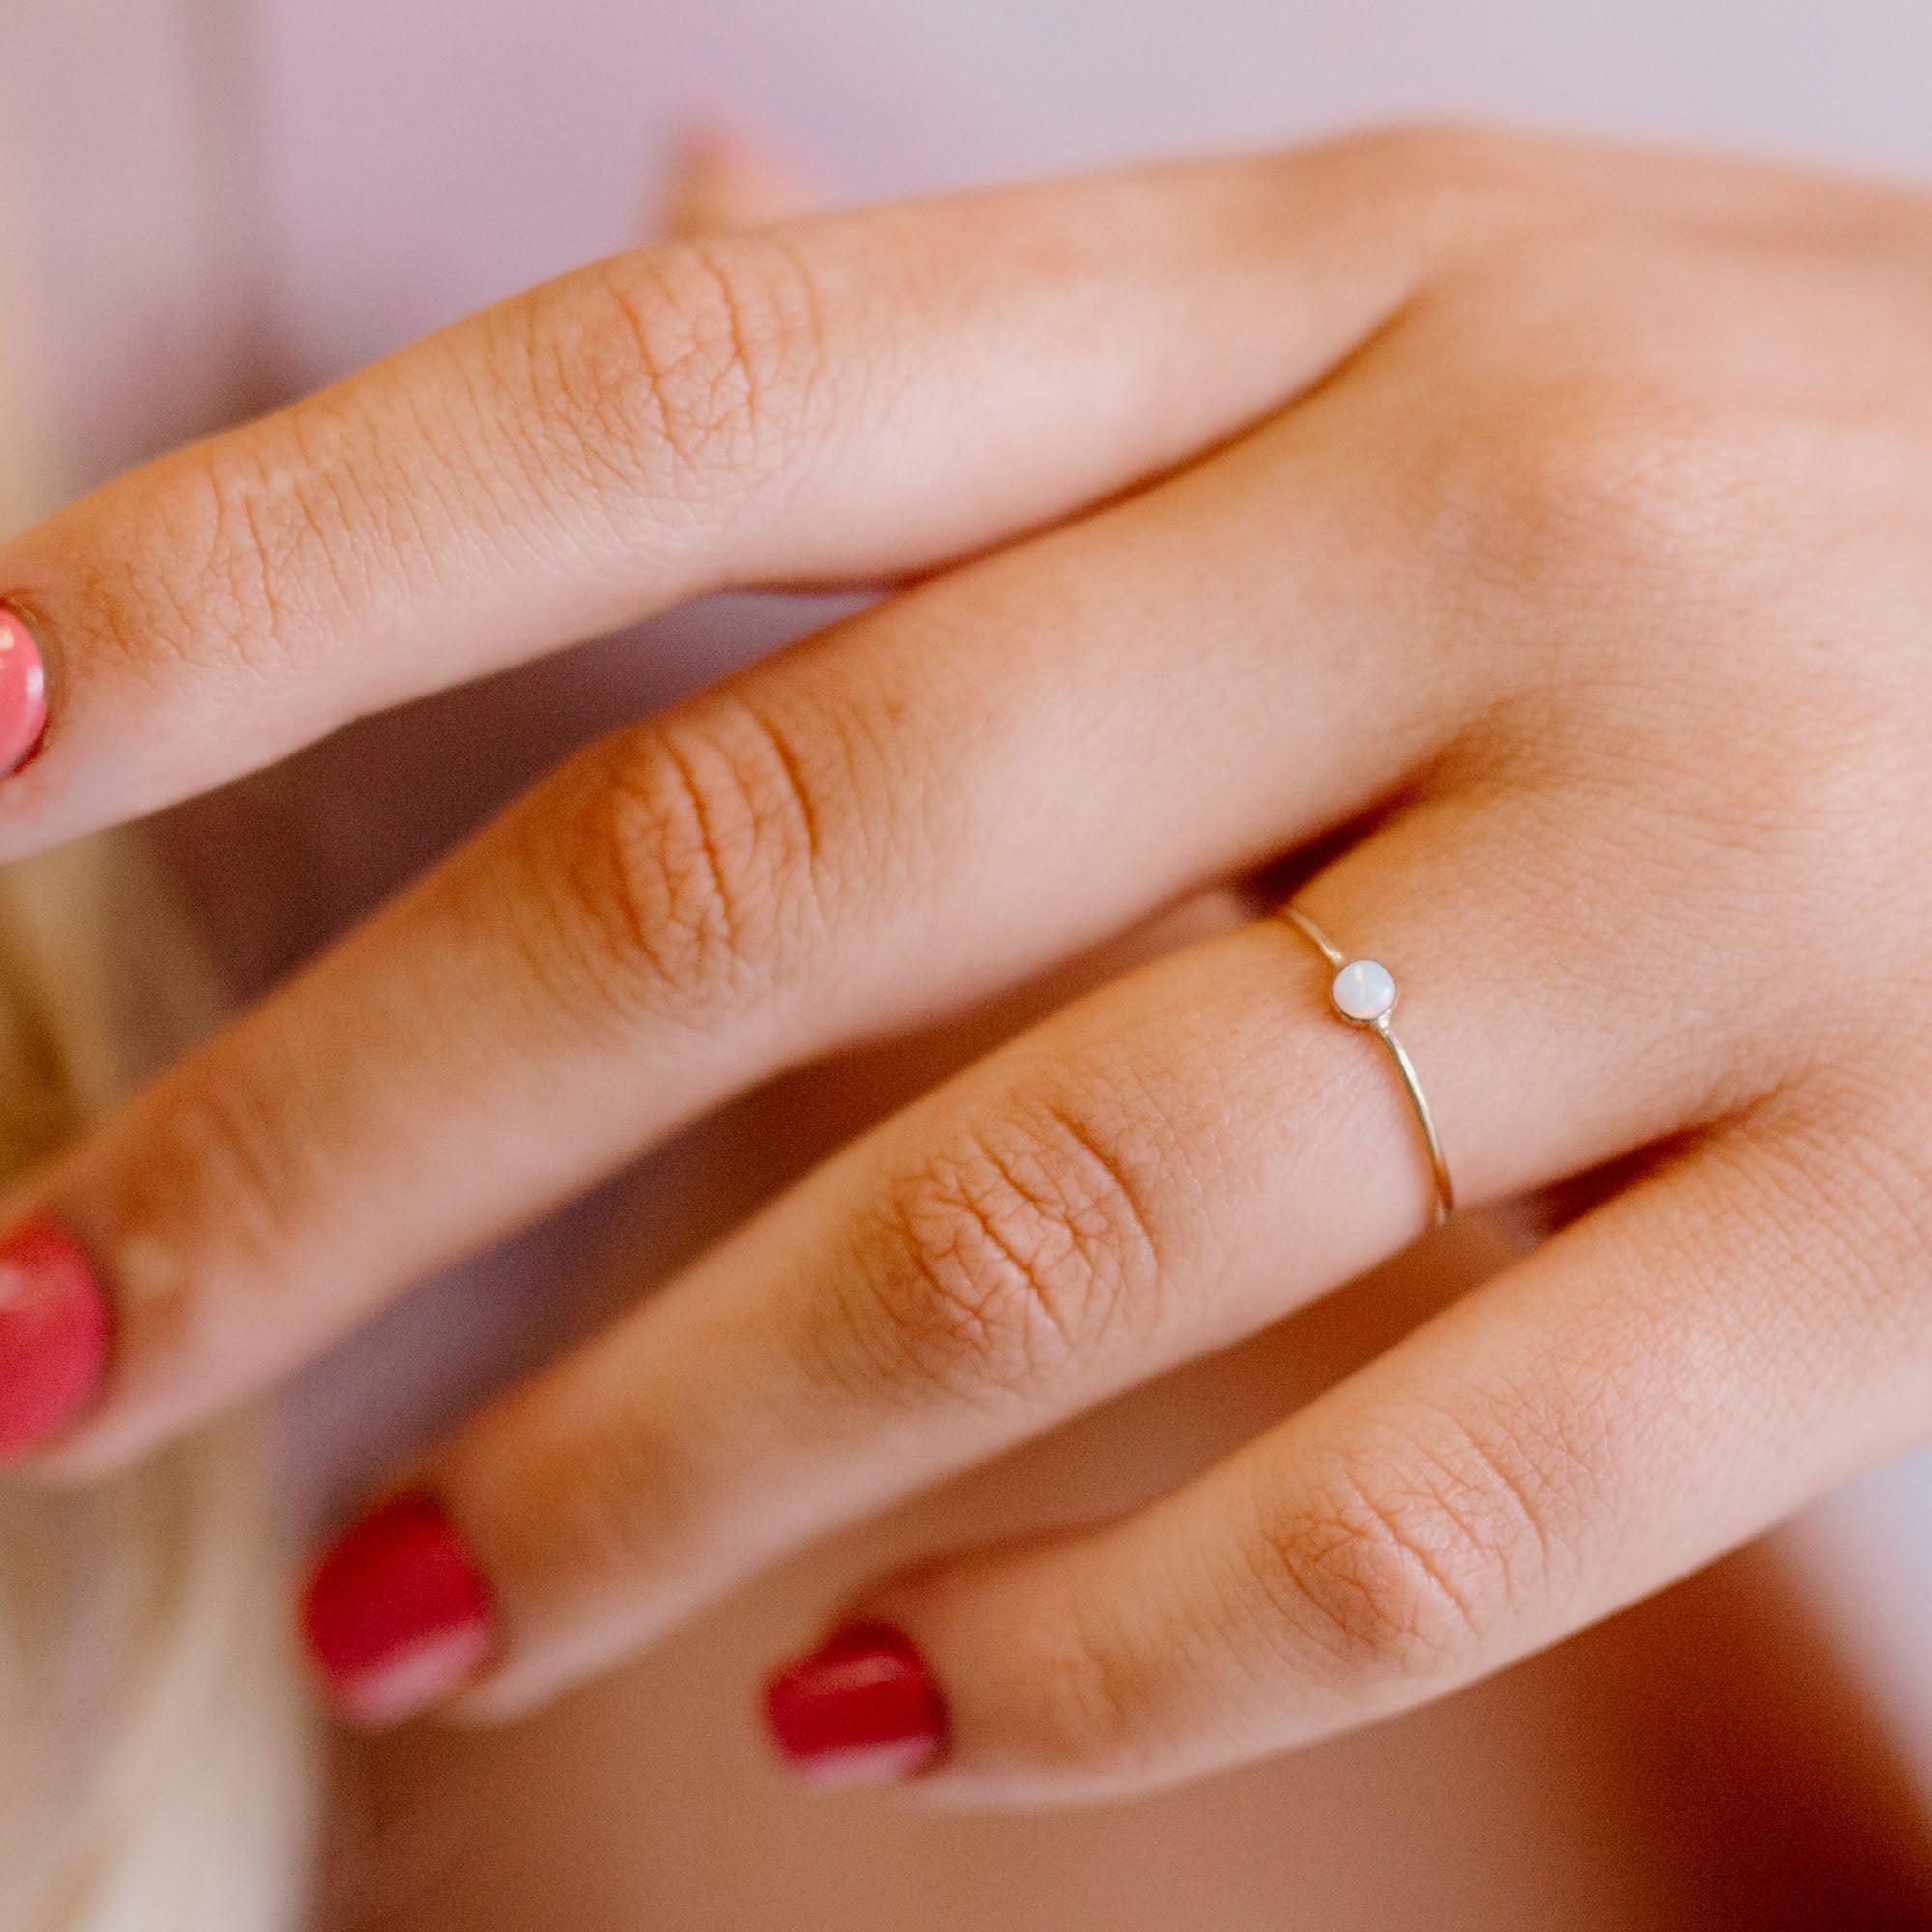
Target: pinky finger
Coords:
[[722, 182], [1663, 1380]]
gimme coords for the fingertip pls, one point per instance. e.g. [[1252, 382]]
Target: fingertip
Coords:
[[863, 1708], [396, 1614], [55, 1329]]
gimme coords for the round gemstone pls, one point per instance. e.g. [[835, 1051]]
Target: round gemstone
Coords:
[[1364, 992]]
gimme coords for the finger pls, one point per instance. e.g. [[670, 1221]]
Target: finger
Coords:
[[846, 399], [722, 182], [1168, 1165], [837, 845], [1668, 1378]]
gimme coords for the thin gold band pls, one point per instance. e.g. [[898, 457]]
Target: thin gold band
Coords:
[[1377, 1023]]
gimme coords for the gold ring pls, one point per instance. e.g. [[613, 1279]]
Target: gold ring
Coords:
[[1363, 993]]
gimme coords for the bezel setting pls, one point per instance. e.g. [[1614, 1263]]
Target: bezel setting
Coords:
[[1363, 993]]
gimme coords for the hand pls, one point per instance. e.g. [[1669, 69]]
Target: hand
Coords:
[[1538, 537]]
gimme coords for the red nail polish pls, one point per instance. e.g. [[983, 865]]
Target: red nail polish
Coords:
[[54, 1333], [860, 1709], [23, 692], [397, 1614]]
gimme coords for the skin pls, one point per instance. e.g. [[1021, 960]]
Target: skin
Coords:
[[1522, 548]]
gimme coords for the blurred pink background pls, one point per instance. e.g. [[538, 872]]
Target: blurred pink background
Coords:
[[219, 199]]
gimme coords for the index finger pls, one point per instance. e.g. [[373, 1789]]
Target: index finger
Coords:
[[850, 396]]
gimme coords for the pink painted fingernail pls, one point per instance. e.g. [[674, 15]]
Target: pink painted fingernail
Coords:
[[23, 692], [861, 1709], [397, 1614], [54, 1330]]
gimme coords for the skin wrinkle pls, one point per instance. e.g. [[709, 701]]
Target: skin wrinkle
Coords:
[[1027, 1273], [714, 926], [1503, 1475], [1101, 1209], [1043, 1215], [273, 549], [557, 468], [1343, 1576], [1085, 1712], [421, 513], [799, 793], [653, 864], [713, 385], [778, 344], [574, 969], [146, 616], [1813, 1167], [694, 857], [984, 1250]]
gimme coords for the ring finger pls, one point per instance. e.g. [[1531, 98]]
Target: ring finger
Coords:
[[1169, 1164]]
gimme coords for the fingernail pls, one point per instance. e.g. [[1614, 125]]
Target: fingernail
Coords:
[[54, 1333], [23, 692], [859, 1710], [397, 1614]]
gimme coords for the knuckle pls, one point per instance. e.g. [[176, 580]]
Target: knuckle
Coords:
[[1590, 485], [234, 555], [1015, 1252], [608, 1504], [1427, 152], [1839, 1178], [1087, 1710], [211, 1203], [1443, 177], [1585, 463], [1407, 1566], [686, 877], [677, 367]]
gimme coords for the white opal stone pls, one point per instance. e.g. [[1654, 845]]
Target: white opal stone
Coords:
[[1363, 991]]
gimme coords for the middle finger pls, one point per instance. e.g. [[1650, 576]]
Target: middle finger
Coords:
[[898, 817]]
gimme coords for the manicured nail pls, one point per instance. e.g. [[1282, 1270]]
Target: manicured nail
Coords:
[[397, 1614], [23, 692], [54, 1333], [861, 1709]]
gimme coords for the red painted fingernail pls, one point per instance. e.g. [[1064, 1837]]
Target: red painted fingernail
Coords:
[[397, 1614], [54, 1333], [860, 1709], [23, 692]]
